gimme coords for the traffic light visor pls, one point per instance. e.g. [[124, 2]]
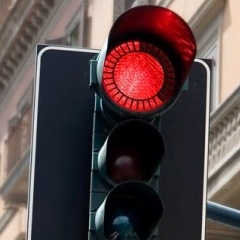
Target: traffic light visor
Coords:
[[132, 151], [130, 211]]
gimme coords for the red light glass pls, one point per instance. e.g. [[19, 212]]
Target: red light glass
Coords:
[[147, 56], [138, 77], [161, 26]]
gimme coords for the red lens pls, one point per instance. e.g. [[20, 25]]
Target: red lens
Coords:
[[147, 56], [138, 77]]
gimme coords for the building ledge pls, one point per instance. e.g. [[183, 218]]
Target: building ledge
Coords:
[[6, 218], [18, 32], [224, 151], [13, 224], [15, 188]]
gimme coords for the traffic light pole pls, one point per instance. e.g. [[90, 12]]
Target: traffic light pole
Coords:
[[222, 214]]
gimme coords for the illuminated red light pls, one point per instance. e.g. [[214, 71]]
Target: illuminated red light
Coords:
[[145, 61], [138, 77]]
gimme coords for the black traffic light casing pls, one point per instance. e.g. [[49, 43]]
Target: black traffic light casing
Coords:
[[182, 177], [145, 117], [136, 139], [124, 212]]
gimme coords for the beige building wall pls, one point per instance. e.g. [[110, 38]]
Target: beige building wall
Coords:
[[100, 14], [230, 50]]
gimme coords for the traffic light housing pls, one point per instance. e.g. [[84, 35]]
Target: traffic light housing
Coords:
[[137, 77]]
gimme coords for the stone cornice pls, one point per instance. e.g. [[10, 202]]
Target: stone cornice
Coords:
[[6, 217], [229, 104], [18, 32], [206, 12], [224, 130], [224, 147]]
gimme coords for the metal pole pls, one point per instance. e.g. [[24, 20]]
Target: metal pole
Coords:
[[223, 214]]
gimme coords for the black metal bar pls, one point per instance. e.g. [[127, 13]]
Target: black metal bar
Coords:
[[223, 214]]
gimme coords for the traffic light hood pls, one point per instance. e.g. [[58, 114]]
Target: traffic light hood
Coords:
[[157, 25], [133, 150], [131, 210]]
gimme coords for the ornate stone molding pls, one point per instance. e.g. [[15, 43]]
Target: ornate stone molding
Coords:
[[224, 142], [224, 130], [206, 12], [18, 32], [6, 217]]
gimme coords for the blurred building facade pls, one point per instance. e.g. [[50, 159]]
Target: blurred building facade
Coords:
[[85, 23]]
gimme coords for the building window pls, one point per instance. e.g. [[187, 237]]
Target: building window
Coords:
[[210, 50], [213, 54], [206, 24], [74, 36], [75, 29]]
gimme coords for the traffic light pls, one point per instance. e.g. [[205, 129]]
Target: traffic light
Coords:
[[137, 77]]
